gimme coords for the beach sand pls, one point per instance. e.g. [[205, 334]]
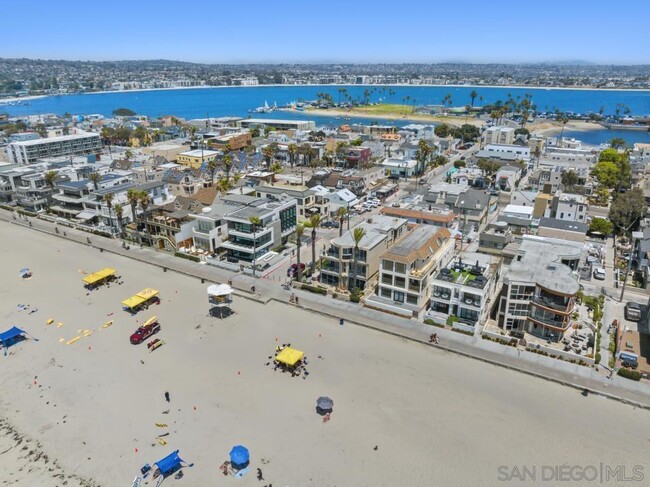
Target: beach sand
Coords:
[[436, 418]]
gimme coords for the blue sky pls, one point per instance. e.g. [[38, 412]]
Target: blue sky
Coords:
[[240, 31]]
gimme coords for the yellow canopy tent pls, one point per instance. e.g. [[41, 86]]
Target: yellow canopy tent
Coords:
[[289, 356], [139, 298], [99, 276]]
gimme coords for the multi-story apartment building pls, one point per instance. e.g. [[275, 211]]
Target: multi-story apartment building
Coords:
[[405, 272], [338, 266], [308, 200], [539, 287], [278, 220], [464, 289], [499, 135], [32, 192], [569, 207], [195, 158], [30, 151]]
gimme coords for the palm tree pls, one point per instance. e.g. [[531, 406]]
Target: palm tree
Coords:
[[227, 164], [133, 196], [94, 178], [300, 230], [293, 149], [128, 154], [223, 186], [50, 177], [145, 201], [313, 223], [425, 152], [119, 213], [357, 235], [212, 168], [563, 120], [341, 213], [255, 223], [472, 97], [108, 199]]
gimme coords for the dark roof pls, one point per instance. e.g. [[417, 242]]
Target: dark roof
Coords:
[[565, 225], [122, 164], [473, 199]]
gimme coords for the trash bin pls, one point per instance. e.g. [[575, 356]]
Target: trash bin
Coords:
[[341, 321]]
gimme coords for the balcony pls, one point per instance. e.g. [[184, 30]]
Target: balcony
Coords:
[[551, 305], [473, 301], [544, 320], [441, 293], [239, 233]]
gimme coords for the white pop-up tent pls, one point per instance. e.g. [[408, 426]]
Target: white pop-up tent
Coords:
[[220, 296]]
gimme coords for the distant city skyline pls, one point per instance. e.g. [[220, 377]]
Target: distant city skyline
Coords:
[[289, 31]]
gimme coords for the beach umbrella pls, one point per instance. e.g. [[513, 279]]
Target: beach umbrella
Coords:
[[239, 455], [324, 403], [23, 271]]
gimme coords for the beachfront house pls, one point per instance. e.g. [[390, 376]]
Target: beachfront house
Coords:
[[245, 241], [463, 291], [540, 287], [338, 260], [404, 286]]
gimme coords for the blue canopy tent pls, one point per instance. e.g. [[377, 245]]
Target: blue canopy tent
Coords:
[[239, 456], [12, 336], [170, 464]]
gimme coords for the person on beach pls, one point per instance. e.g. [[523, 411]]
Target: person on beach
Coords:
[[167, 396]]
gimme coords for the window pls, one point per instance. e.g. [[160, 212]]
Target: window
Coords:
[[387, 265], [412, 299], [387, 279], [398, 297], [385, 293], [400, 282], [399, 267]]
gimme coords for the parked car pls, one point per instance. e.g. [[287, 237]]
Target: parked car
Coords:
[[151, 327], [633, 311], [599, 273], [293, 269], [327, 224]]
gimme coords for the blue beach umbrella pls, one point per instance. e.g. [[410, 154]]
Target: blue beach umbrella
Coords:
[[239, 455]]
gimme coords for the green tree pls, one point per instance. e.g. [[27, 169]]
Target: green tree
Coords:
[[123, 112], [292, 149], [357, 235], [472, 97], [119, 214], [108, 199], [569, 179], [458, 164], [255, 223], [607, 173], [227, 164], [488, 166], [617, 143], [627, 209], [50, 177], [313, 223], [443, 130], [133, 196], [94, 178], [601, 225], [341, 213], [212, 168], [300, 230]]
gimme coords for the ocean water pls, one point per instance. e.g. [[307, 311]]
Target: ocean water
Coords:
[[237, 101]]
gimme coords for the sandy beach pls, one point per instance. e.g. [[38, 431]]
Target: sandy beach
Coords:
[[404, 413], [455, 121]]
